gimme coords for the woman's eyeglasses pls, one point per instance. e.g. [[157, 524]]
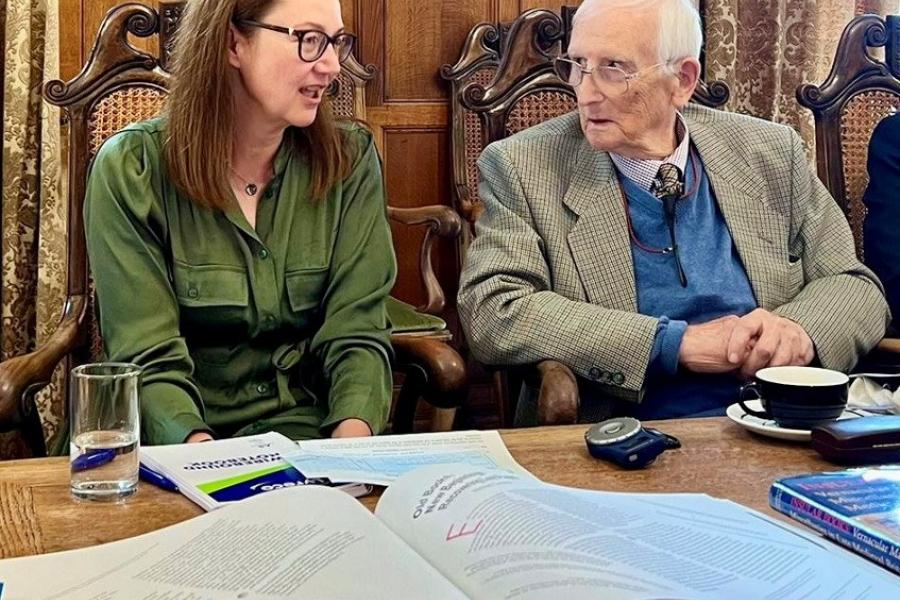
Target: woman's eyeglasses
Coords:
[[311, 43], [612, 81]]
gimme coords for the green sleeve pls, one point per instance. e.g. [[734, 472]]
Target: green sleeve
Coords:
[[138, 311], [354, 340]]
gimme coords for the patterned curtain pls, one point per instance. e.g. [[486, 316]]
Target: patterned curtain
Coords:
[[764, 49], [32, 261]]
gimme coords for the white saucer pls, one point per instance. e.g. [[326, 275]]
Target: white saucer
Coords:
[[770, 428]]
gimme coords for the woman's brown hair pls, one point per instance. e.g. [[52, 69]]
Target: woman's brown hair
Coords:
[[200, 111]]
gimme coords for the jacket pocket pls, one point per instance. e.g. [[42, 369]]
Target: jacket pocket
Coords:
[[200, 286], [305, 288], [217, 356]]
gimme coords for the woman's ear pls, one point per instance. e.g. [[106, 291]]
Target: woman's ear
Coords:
[[687, 71], [236, 43]]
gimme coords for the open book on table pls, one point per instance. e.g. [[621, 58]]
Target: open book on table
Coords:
[[456, 532]]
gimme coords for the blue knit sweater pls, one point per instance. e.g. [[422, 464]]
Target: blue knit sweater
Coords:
[[717, 286]]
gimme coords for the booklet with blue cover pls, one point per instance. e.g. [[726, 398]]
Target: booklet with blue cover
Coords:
[[858, 508], [222, 471]]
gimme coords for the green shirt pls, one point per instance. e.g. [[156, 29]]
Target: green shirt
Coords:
[[240, 330]]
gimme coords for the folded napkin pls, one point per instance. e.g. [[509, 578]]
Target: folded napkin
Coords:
[[875, 393]]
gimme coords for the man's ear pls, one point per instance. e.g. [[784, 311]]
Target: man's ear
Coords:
[[236, 39], [687, 71]]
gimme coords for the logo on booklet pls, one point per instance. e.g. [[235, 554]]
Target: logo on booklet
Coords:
[[265, 486]]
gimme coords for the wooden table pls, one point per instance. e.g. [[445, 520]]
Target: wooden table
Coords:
[[717, 457]]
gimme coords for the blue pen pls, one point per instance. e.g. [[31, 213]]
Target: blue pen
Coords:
[[151, 476], [92, 459]]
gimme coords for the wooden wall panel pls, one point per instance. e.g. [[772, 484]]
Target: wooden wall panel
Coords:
[[415, 175], [70, 38], [529, 4], [418, 36], [348, 13]]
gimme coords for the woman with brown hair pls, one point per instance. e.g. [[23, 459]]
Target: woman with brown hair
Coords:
[[239, 243]]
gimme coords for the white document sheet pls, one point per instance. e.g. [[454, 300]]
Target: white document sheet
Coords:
[[304, 542], [381, 460], [498, 536], [451, 531]]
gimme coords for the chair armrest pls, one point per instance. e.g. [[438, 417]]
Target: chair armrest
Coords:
[[889, 346], [442, 366], [441, 221], [558, 400], [884, 358], [22, 376]]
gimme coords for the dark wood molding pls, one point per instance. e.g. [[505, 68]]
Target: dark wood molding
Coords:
[[855, 71]]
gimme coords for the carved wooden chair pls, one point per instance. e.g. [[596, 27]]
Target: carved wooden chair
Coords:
[[120, 85], [502, 83], [858, 93]]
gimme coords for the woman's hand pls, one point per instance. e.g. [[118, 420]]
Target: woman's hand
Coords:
[[351, 428], [199, 436]]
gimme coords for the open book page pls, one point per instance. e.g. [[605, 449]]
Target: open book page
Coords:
[[500, 536], [302, 542], [380, 460]]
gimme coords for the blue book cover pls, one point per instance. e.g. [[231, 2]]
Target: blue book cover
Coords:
[[857, 508], [222, 471]]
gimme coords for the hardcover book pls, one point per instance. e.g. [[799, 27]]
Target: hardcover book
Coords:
[[858, 508]]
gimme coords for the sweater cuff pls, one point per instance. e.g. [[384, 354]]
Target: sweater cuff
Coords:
[[667, 345]]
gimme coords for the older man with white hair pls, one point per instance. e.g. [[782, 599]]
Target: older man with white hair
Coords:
[[662, 250]]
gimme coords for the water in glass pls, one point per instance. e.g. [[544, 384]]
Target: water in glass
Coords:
[[117, 477]]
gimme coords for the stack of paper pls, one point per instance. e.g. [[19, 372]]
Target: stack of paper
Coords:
[[214, 473], [381, 460], [453, 532]]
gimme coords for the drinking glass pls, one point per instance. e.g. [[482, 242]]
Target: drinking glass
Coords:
[[104, 430]]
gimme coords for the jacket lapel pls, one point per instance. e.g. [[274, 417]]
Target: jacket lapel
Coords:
[[754, 225], [599, 242]]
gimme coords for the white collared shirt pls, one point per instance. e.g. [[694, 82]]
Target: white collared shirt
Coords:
[[643, 172]]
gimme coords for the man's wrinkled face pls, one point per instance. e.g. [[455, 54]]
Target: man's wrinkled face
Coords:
[[616, 120]]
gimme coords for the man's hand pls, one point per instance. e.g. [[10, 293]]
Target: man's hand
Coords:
[[704, 347], [779, 342], [199, 436], [351, 428]]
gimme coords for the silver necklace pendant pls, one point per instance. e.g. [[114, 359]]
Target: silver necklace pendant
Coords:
[[251, 189]]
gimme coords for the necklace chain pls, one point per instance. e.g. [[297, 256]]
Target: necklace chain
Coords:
[[250, 187]]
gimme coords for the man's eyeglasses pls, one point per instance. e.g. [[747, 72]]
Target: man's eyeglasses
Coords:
[[612, 81], [311, 43]]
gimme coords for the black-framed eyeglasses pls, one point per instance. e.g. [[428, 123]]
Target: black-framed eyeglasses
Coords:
[[311, 43]]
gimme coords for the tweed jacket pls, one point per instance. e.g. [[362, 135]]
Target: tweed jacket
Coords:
[[550, 275]]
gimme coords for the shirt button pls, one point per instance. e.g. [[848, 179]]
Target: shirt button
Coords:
[[193, 293], [263, 254], [269, 319], [262, 388]]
